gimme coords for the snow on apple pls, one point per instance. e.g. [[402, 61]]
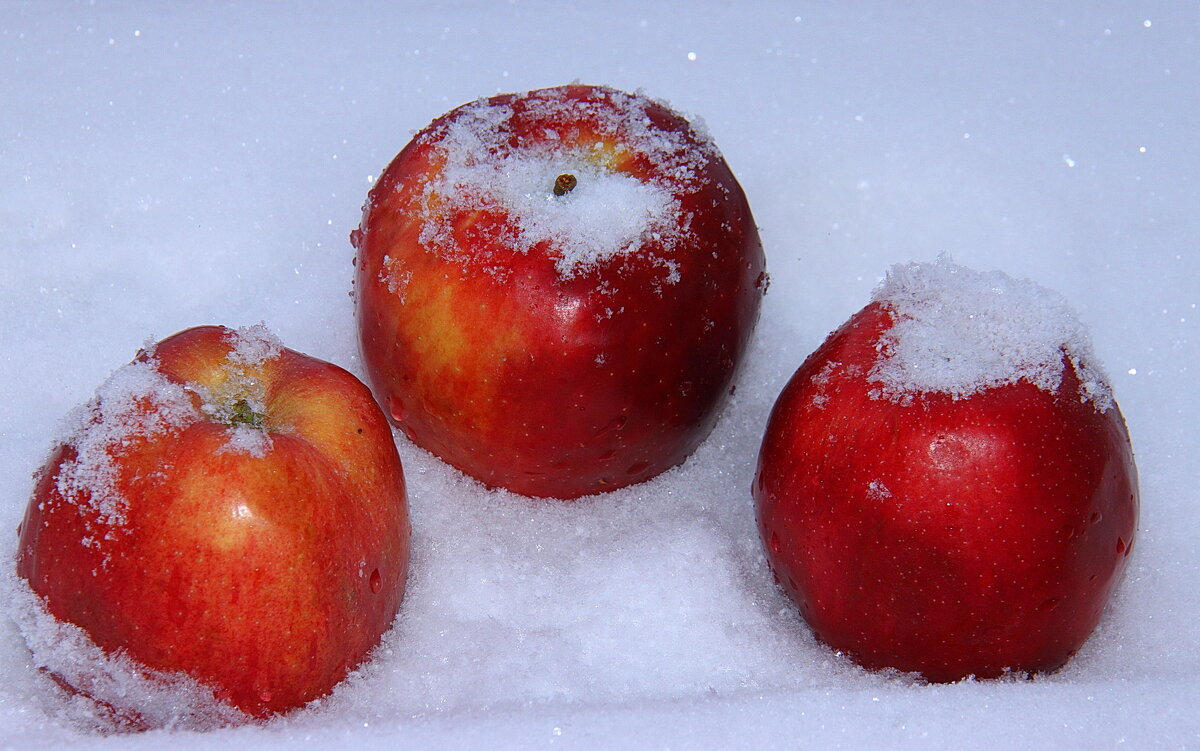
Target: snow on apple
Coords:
[[556, 288], [946, 486], [958, 332], [135, 401]]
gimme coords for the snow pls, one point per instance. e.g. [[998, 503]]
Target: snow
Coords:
[[168, 166], [251, 346], [606, 214], [162, 700], [135, 403], [491, 161], [958, 331], [248, 439]]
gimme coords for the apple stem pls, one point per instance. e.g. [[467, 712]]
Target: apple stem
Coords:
[[244, 414], [564, 184]]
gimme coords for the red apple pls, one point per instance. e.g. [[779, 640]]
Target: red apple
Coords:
[[946, 486], [555, 288], [225, 509]]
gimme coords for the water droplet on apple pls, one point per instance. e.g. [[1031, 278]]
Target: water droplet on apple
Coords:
[[1049, 604], [1120, 546], [637, 468], [1096, 517], [759, 485], [774, 543], [397, 410], [616, 423], [607, 455], [356, 237], [376, 582], [409, 433]]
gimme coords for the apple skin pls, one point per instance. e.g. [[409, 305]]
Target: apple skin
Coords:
[[950, 538], [550, 386], [266, 578]]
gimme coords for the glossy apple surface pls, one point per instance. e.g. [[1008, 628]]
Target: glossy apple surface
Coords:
[[557, 342], [227, 509], [948, 534]]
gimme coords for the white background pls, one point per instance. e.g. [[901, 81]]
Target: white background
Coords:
[[164, 165]]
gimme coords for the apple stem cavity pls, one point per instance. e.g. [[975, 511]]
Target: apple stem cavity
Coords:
[[243, 414], [564, 184]]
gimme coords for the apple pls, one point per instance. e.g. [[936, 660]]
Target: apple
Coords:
[[946, 486], [555, 289], [226, 512]]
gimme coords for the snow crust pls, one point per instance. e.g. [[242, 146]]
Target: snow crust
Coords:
[[163, 166], [958, 331], [608, 213]]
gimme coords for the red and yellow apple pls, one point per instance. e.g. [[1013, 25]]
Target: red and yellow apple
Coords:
[[946, 485], [225, 509], [555, 288]]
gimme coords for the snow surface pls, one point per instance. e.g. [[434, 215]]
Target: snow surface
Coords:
[[163, 166]]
